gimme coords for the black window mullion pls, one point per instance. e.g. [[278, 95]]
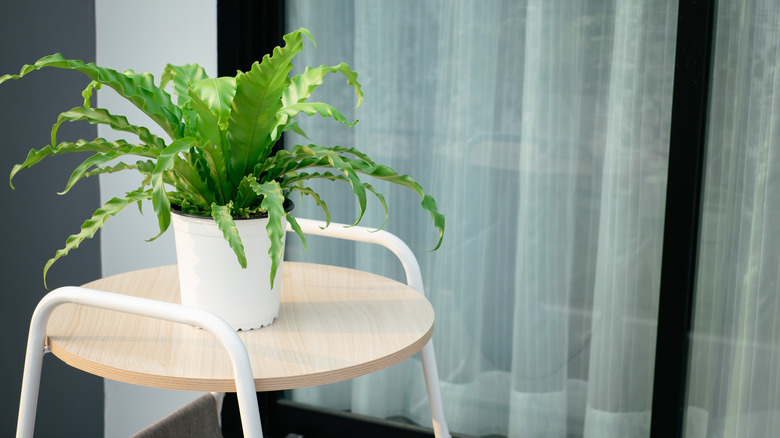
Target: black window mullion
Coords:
[[247, 30], [695, 31]]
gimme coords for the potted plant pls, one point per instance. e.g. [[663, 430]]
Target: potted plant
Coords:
[[218, 163]]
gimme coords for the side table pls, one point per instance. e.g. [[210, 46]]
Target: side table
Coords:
[[334, 324]]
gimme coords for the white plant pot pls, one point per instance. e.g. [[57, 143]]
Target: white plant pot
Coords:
[[211, 278]]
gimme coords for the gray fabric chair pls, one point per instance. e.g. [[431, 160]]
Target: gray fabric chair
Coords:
[[197, 419]]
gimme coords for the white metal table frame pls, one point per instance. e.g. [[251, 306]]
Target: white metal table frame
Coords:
[[242, 371]]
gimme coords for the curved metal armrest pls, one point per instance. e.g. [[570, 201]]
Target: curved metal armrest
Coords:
[[242, 369], [368, 235]]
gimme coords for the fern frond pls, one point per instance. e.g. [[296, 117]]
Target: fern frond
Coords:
[[96, 222]]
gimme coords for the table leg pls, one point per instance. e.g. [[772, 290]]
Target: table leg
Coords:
[[440, 429], [31, 380]]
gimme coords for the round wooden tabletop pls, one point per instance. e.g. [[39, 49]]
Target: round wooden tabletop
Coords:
[[334, 324]]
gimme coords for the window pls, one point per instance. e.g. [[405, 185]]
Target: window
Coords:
[[565, 142]]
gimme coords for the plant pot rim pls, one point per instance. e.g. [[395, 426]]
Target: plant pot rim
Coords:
[[289, 205]]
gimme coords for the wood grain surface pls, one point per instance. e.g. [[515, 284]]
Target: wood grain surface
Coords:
[[334, 324]]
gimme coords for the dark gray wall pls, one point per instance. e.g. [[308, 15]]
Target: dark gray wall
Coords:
[[35, 220]]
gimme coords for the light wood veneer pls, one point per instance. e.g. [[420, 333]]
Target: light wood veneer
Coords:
[[334, 324]]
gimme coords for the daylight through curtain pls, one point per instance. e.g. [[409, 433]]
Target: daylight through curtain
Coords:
[[734, 388], [541, 127]]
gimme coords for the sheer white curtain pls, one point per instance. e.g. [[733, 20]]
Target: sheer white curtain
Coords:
[[541, 127], [735, 365]]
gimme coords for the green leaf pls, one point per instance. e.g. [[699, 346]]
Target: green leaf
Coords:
[[218, 95], [364, 165], [139, 89], [190, 204], [273, 204], [81, 170], [215, 147], [245, 195], [257, 101], [429, 204], [102, 116], [165, 162], [96, 145], [143, 167], [310, 108], [300, 89], [336, 161], [221, 214], [364, 157], [283, 163], [317, 200], [385, 173], [185, 177], [297, 228], [182, 76], [298, 178], [293, 126], [299, 187], [206, 122], [382, 201], [302, 86], [87, 93], [96, 222], [205, 177]]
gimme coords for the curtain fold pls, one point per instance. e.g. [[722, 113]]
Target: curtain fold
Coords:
[[734, 373], [541, 127]]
